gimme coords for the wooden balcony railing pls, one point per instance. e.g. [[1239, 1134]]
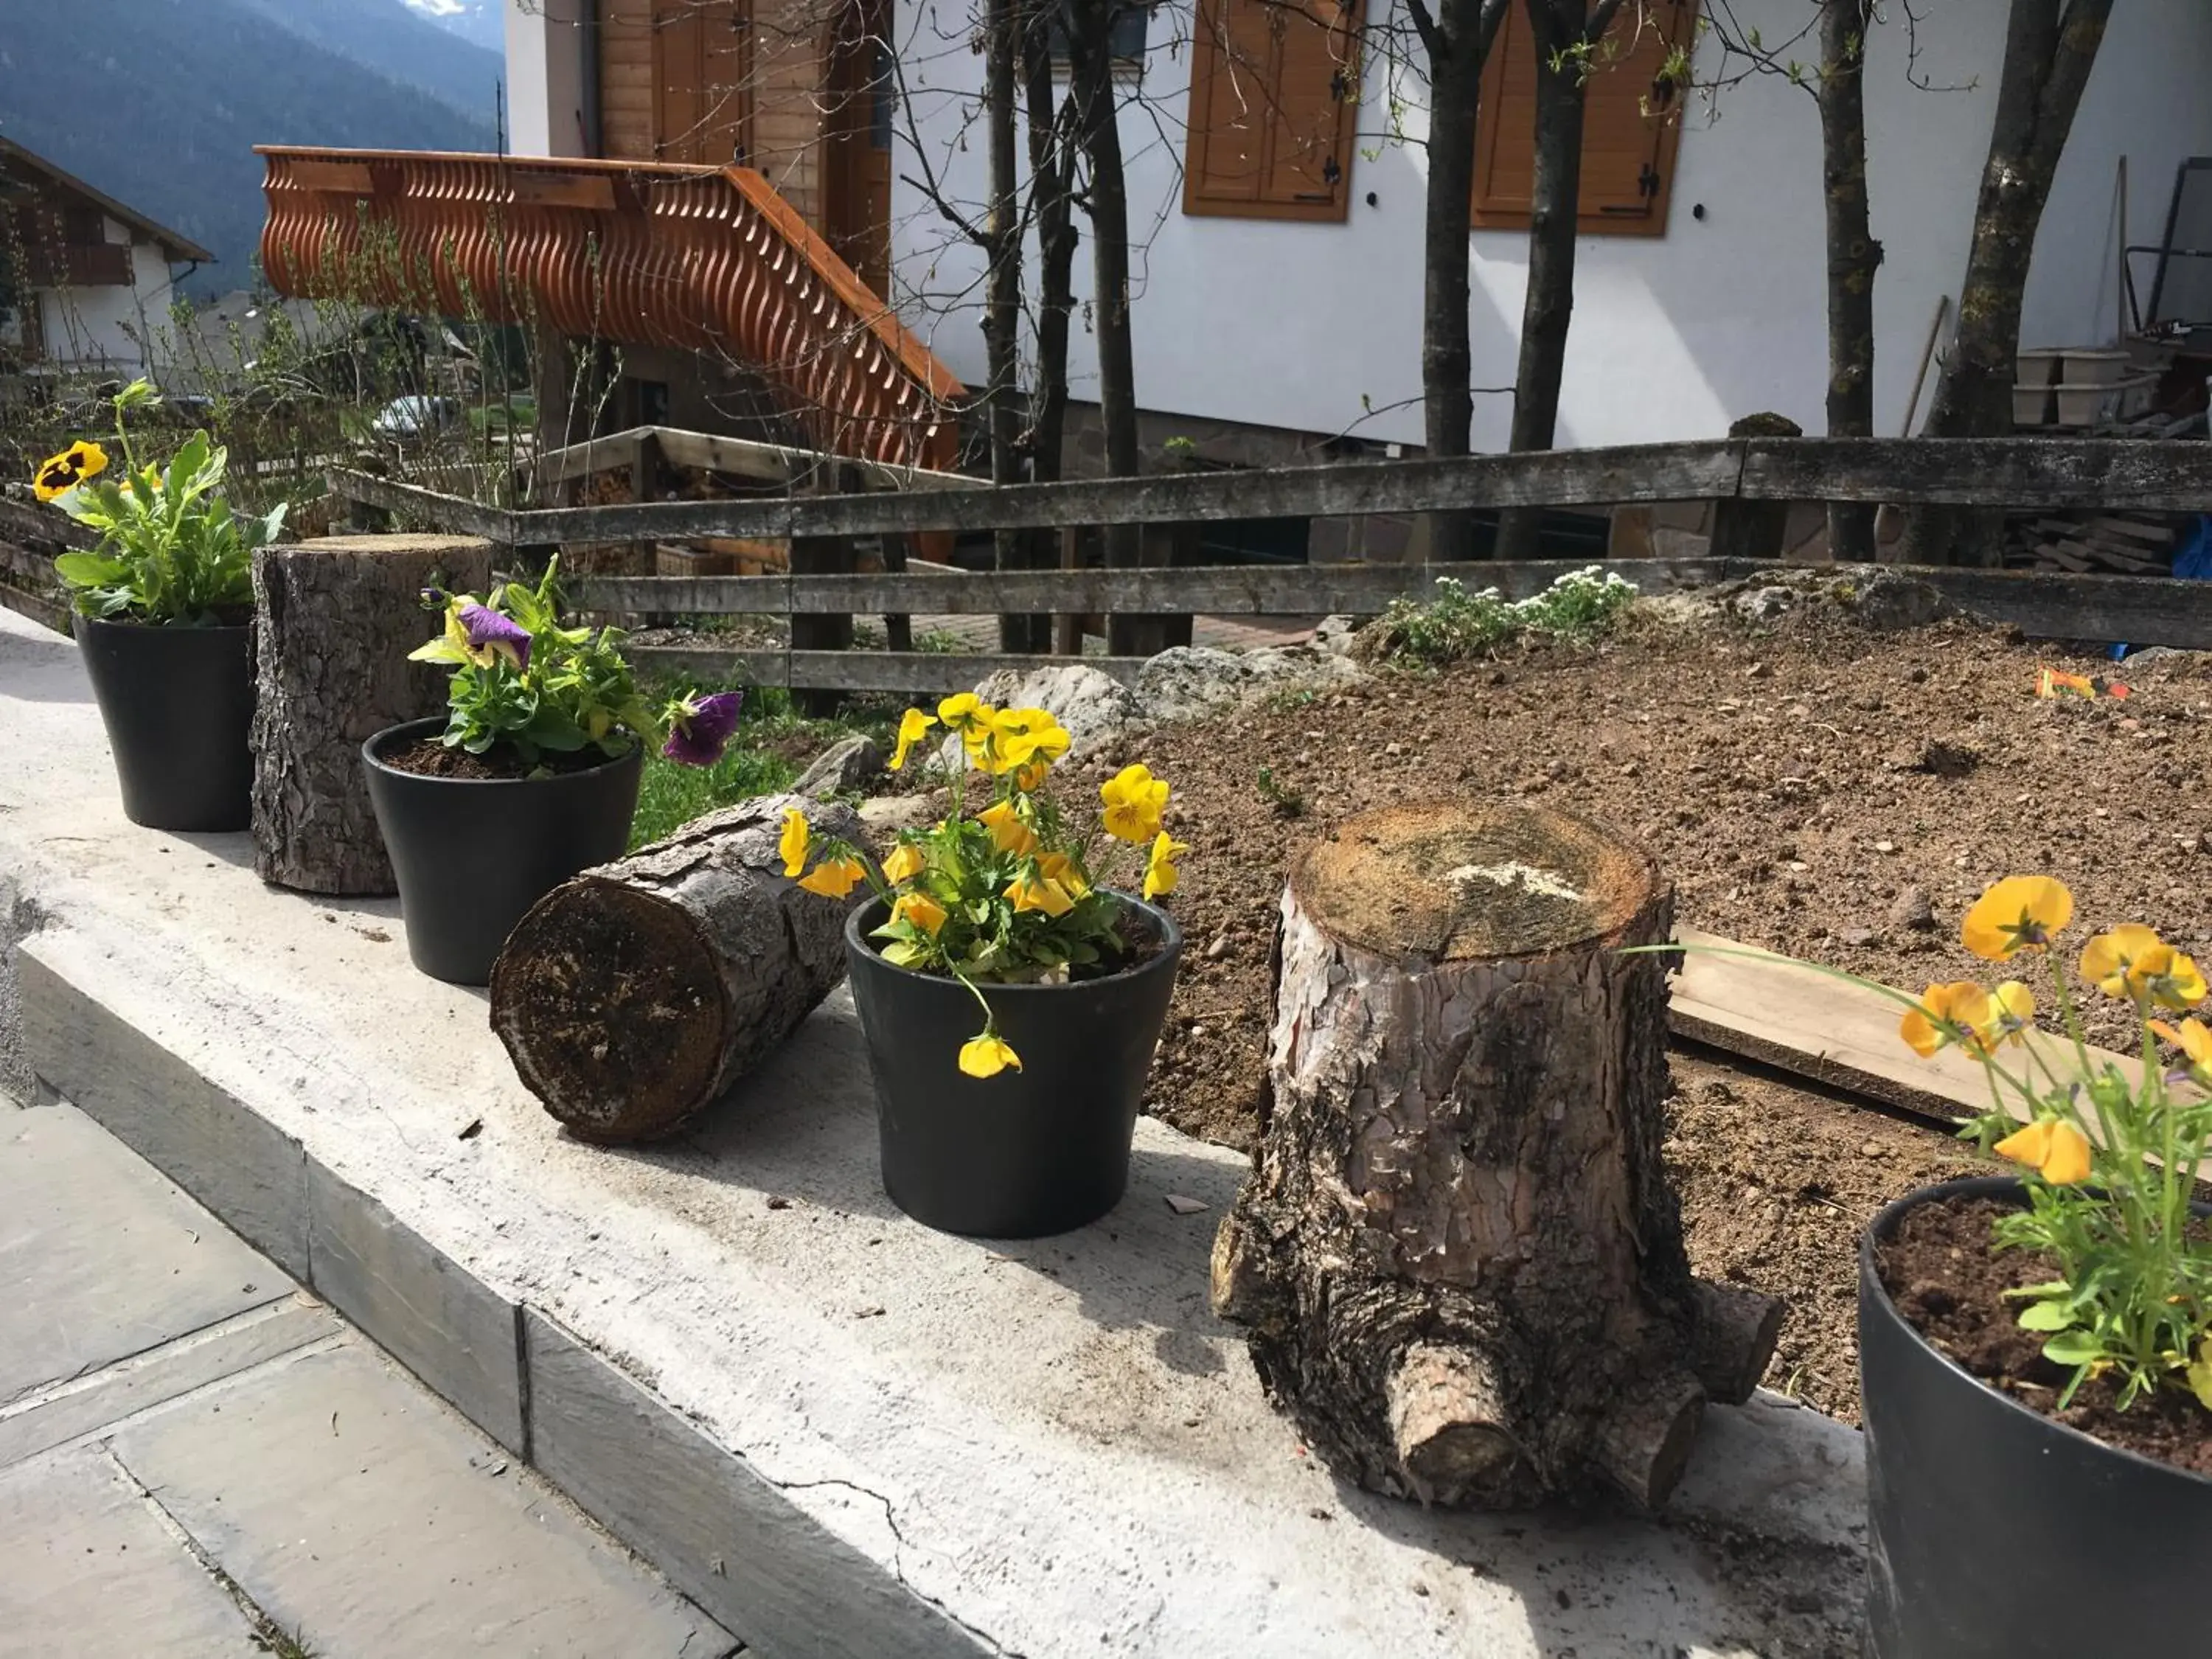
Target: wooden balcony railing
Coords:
[[639, 254]]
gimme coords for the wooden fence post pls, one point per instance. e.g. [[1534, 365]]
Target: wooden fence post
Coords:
[[1067, 625], [824, 555], [898, 627], [1753, 530]]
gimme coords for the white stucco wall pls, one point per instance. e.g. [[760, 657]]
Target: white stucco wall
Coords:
[[1309, 326], [545, 77], [104, 327]]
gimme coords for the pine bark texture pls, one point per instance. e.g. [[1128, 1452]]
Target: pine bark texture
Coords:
[[2051, 47], [334, 620], [633, 996], [1458, 1253], [1854, 256]]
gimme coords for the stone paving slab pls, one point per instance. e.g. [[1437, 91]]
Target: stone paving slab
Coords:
[[102, 1257], [360, 1513], [51, 1417], [86, 1568]]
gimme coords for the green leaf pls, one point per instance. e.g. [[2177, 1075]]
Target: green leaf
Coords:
[[87, 570], [2046, 1317], [2073, 1348]]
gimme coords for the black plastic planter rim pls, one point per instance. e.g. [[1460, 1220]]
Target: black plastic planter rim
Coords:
[[434, 725], [1996, 1187], [867, 917]]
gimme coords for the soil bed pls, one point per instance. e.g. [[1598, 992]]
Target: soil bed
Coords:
[[429, 758], [1810, 787], [1950, 1286]]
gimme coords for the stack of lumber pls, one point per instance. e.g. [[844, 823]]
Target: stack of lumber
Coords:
[[2120, 543]]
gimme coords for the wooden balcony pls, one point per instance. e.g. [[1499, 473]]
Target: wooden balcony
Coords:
[[639, 253]]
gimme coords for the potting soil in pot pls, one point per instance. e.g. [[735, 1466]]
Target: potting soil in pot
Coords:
[[1950, 1285], [429, 758]]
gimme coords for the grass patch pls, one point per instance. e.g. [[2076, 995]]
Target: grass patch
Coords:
[[773, 744]]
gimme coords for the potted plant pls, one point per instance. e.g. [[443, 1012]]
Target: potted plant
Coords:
[[532, 777], [2036, 1352], [1011, 999], [163, 613]]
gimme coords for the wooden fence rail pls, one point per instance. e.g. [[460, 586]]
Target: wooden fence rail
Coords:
[[1993, 472]]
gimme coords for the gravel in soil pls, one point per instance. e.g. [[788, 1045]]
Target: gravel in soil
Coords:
[[1810, 787], [1950, 1286]]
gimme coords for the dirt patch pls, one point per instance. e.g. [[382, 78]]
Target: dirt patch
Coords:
[[1950, 1285], [1809, 787], [428, 758], [1777, 1184]]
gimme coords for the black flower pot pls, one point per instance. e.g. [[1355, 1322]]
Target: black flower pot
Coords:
[[1995, 1531], [471, 854], [178, 703], [1025, 1153]]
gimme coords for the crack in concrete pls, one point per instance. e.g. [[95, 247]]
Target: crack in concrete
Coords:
[[898, 1564], [268, 1634]]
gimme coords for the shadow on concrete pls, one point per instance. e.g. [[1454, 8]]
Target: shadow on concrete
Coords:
[[42, 666], [231, 847]]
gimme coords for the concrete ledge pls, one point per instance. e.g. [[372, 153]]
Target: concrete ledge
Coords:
[[840, 1431]]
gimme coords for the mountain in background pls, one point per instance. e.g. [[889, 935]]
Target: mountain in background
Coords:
[[161, 106], [482, 23]]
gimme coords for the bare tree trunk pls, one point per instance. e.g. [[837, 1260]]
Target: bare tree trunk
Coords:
[[1561, 28], [1853, 254], [1458, 39], [1002, 304], [2050, 46], [1052, 180], [1091, 83]]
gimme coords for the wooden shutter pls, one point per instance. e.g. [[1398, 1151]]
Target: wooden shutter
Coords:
[[702, 91], [1629, 129], [1274, 85]]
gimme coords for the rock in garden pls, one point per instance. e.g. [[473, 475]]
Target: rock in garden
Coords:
[[1913, 910], [842, 769], [1191, 681], [635, 995]]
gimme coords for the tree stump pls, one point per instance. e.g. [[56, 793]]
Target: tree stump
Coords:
[[633, 996], [1458, 1252], [334, 621]]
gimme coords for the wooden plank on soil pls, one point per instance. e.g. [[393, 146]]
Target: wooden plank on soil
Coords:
[[1789, 1014]]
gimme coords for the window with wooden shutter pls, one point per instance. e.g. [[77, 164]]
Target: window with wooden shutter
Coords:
[[1630, 123], [1273, 86], [703, 91]]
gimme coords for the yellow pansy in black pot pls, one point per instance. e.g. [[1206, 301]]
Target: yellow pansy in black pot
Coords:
[[1010, 996]]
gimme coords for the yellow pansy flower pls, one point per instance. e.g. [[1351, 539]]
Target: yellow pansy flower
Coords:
[[1039, 893], [2132, 961], [2052, 1147], [2191, 1036], [833, 879], [1058, 867], [1160, 872], [1020, 736], [59, 474], [913, 725], [1134, 799], [2020, 913], [960, 712], [1943, 1013], [2012, 1011], [1008, 833], [987, 1055], [923, 911], [1030, 778], [792, 844], [904, 862]]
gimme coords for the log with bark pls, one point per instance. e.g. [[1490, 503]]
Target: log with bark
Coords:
[[1458, 1253], [633, 996], [334, 621]]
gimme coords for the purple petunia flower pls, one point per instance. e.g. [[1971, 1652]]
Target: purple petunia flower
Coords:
[[489, 631], [701, 732]]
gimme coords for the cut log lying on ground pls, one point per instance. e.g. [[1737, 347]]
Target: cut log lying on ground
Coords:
[[635, 995], [334, 621], [1458, 1253]]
